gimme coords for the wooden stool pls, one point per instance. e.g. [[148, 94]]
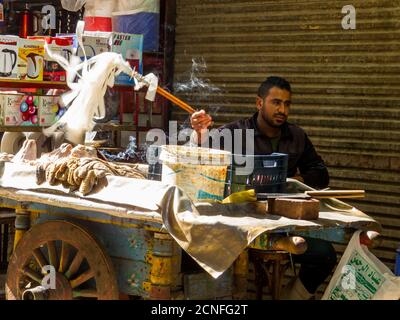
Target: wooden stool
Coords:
[[269, 268]]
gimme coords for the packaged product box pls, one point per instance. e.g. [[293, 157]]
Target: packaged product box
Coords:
[[1, 13], [53, 71], [9, 57], [50, 111], [130, 46], [71, 36], [31, 59], [94, 43], [1, 108], [20, 110]]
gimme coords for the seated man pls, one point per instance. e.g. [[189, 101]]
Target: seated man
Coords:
[[272, 133]]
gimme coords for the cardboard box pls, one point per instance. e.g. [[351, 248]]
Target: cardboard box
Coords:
[[49, 110], [94, 43], [1, 109], [9, 57], [71, 36], [31, 59], [1, 14], [20, 110], [53, 71], [130, 46]]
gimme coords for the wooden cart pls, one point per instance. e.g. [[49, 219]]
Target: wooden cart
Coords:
[[102, 251]]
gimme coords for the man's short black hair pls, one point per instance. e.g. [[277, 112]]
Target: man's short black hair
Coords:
[[271, 82]]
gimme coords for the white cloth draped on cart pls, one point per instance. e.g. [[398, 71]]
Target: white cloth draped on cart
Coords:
[[213, 234]]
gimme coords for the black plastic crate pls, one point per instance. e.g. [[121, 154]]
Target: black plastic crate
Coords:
[[268, 175]]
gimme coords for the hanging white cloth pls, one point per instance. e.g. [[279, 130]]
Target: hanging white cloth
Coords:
[[72, 5], [88, 81]]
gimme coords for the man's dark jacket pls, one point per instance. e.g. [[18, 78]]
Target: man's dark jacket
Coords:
[[295, 143]]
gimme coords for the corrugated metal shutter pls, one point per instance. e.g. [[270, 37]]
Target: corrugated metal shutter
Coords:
[[346, 83]]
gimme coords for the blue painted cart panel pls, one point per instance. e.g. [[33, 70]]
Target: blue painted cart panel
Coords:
[[128, 248]]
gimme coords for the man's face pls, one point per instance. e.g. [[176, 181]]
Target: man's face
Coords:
[[275, 107]]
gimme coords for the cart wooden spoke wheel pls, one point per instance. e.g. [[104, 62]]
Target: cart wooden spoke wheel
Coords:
[[81, 267]]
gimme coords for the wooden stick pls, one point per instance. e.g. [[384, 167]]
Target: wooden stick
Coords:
[[337, 194], [175, 100], [350, 196]]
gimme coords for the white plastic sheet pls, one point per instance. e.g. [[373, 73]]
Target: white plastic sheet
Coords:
[[213, 234], [151, 81], [85, 101], [73, 5], [125, 7], [361, 276], [100, 8]]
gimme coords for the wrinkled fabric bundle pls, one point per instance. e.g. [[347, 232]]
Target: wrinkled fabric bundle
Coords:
[[214, 234], [28, 152], [74, 167], [82, 173], [6, 157]]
